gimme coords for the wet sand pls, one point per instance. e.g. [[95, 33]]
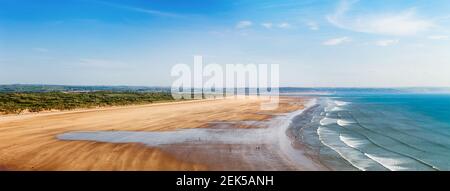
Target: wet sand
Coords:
[[30, 142]]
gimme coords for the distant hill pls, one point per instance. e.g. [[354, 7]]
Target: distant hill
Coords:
[[66, 88], [35, 88]]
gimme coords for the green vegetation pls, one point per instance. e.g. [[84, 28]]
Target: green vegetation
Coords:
[[35, 102], [63, 88]]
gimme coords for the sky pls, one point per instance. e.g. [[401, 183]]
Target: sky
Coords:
[[317, 43]]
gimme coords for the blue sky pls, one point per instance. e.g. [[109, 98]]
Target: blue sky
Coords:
[[328, 43]]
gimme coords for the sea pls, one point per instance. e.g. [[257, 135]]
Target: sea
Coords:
[[378, 130], [344, 129]]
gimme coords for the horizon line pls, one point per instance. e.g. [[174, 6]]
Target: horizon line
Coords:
[[312, 87]]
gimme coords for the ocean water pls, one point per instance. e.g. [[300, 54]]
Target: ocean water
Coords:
[[393, 131]]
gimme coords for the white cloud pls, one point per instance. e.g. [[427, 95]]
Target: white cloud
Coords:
[[267, 25], [336, 41], [312, 25], [438, 37], [40, 50], [400, 23], [284, 25], [386, 42], [244, 24]]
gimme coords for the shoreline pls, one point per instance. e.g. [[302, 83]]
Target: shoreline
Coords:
[[220, 146], [296, 145], [30, 143], [295, 158]]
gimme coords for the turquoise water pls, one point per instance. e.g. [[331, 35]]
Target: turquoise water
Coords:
[[387, 131]]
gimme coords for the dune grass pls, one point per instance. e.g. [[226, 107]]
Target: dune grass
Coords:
[[14, 103]]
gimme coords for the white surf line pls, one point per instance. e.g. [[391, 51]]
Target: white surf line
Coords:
[[389, 163], [393, 166], [281, 125], [340, 151], [354, 143]]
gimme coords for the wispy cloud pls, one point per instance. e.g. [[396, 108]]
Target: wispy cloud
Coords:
[[141, 10], [387, 42], [267, 25], [336, 41], [400, 23], [284, 25], [243, 24], [438, 37], [313, 25]]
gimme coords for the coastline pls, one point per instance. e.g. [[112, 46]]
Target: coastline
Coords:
[[30, 143], [305, 133], [378, 133]]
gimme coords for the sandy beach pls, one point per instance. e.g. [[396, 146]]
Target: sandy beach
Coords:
[[230, 134]]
